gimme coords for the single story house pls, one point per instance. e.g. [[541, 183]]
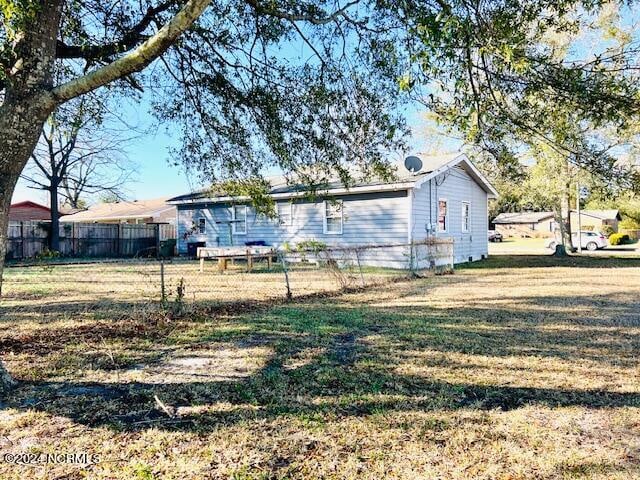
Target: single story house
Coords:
[[596, 219], [446, 198], [525, 224], [156, 210], [543, 224]]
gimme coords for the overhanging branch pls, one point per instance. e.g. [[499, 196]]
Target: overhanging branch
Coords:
[[302, 17], [135, 60], [129, 40]]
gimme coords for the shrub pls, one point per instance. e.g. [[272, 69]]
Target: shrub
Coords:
[[312, 245], [607, 230], [629, 224], [47, 254], [619, 239]]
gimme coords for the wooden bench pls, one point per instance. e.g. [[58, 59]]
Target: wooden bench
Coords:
[[224, 254]]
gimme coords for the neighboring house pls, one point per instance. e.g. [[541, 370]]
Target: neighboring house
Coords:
[[543, 224], [525, 224], [446, 198], [28, 210], [595, 219], [136, 212]]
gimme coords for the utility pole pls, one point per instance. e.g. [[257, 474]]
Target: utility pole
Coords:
[[578, 193]]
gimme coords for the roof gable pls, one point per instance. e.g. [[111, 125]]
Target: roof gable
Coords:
[[463, 162], [30, 204]]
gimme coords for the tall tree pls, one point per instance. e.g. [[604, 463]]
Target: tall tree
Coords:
[[546, 89], [77, 155], [516, 65]]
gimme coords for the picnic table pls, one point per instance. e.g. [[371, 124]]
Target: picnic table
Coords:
[[224, 254]]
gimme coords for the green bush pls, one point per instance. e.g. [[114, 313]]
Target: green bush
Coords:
[[619, 239], [311, 245], [629, 224], [607, 230], [47, 254]]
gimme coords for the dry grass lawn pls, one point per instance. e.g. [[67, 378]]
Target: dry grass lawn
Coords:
[[513, 368]]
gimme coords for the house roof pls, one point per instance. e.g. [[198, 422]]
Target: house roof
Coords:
[[522, 217], [29, 203], [125, 210], [432, 167], [611, 214]]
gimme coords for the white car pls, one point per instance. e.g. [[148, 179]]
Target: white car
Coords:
[[590, 240]]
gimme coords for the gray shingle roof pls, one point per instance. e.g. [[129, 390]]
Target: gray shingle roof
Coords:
[[522, 217], [611, 214], [121, 210], [279, 185]]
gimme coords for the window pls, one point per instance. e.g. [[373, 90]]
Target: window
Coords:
[[466, 214], [239, 219], [285, 213], [333, 217], [442, 215], [202, 225]]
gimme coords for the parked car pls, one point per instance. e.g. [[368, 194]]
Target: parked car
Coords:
[[590, 240], [495, 236]]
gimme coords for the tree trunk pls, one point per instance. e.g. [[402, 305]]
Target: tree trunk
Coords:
[[27, 103], [6, 382], [54, 233], [7, 185], [565, 208], [560, 250]]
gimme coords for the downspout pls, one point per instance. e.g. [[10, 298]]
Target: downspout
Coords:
[[431, 229], [410, 197]]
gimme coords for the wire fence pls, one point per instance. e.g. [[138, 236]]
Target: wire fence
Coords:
[[248, 274], [230, 278]]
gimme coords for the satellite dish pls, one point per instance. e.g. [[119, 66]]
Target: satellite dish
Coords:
[[413, 163]]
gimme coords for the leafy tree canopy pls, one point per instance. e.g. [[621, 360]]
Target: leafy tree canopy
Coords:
[[522, 74]]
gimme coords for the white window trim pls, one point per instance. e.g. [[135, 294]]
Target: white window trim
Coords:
[[234, 225], [446, 216], [202, 231], [324, 217], [466, 228], [290, 222]]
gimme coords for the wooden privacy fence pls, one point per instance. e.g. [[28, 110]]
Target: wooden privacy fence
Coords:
[[29, 239]]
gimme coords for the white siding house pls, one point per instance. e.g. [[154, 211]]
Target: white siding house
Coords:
[[447, 199]]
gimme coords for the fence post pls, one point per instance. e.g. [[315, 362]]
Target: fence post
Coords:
[[286, 275], [412, 270], [118, 240], [359, 267], [22, 239], [157, 225], [162, 288]]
